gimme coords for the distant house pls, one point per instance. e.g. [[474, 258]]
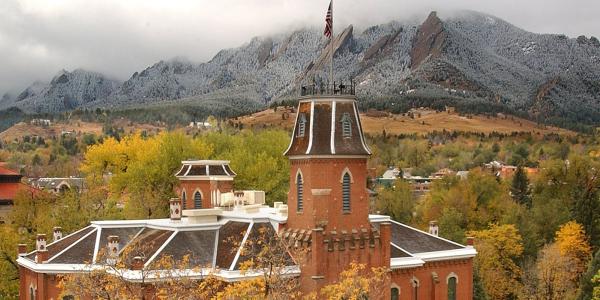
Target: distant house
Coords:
[[10, 185], [504, 171], [58, 185], [420, 184], [199, 125], [40, 122]]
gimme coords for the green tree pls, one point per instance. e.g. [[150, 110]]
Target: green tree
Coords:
[[396, 201], [519, 189], [585, 284]]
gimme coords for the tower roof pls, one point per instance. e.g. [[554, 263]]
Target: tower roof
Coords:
[[205, 169], [327, 125]]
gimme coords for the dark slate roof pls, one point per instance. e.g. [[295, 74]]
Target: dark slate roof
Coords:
[[198, 245], [416, 241], [259, 232], [147, 243], [230, 238], [397, 252], [62, 244], [80, 253], [125, 234], [319, 115], [205, 246]]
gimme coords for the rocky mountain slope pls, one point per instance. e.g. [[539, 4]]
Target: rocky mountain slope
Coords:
[[466, 56]]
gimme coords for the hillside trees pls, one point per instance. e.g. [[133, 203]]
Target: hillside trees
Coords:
[[469, 204], [567, 190]]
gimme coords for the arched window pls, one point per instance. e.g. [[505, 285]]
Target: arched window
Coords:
[[395, 295], [183, 199], [197, 200], [346, 180], [299, 191], [346, 125], [452, 288], [31, 293], [301, 125]]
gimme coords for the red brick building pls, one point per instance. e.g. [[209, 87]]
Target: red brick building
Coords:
[[327, 211], [10, 185]]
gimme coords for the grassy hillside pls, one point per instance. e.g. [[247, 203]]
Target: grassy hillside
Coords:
[[416, 121]]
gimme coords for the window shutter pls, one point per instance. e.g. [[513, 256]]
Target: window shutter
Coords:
[[346, 192], [300, 192], [197, 200]]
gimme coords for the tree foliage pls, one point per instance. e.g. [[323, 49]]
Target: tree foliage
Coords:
[[499, 248], [396, 201]]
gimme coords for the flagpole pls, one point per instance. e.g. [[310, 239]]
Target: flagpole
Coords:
[[331, 42]]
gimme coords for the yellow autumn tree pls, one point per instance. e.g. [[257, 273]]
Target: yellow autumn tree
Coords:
[[356, 283], [498, 249], [572, 242], [554, 272], [141, 169]]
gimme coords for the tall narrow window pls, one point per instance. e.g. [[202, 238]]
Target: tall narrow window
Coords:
[[452, 288], [31, 293], [395, 295], [346, 125], [416, 292], [299, 191], [197, 200], [183, 199], [415, 286], [301, 125], [346, 192]]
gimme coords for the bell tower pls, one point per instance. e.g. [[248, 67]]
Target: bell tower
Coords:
[[328, 157], [328, 203]]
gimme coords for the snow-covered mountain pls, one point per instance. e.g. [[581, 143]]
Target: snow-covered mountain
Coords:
[[66, 91], [466, 55]]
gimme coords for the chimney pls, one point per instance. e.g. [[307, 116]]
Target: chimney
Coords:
[[175, 208], [433, 228], [22, 249], [57, 233], [470, 241], [40, 246], [40, 242], [112, 254], [138, 263]]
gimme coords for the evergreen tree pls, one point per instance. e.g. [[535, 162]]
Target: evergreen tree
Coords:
[[520, 187], [585, 284]]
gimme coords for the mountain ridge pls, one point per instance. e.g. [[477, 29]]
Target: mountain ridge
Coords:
[[467, 56]]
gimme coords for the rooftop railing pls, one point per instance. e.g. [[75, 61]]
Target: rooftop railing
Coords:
[[341, 88]]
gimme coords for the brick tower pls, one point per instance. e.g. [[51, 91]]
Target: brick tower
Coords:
[[328, 203]]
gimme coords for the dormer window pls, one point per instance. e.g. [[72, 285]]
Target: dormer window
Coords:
[[346, 125], [301, 125]]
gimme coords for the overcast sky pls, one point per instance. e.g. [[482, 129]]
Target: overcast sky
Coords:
[[118, 37]]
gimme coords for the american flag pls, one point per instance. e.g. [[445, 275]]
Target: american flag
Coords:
[[329, 20]]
